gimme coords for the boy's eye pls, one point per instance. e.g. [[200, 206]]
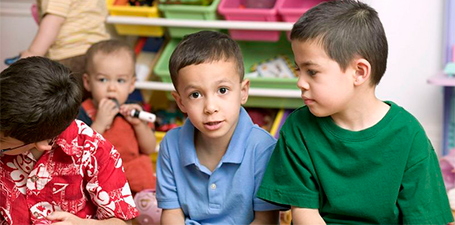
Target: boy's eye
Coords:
[[223, 90], [102, 80], [121, 81], [195, 95], [311, 72], [296, 68]]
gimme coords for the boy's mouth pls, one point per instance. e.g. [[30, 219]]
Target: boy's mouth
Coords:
[[213, 125]]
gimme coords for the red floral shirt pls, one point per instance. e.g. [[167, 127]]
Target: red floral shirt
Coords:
[[83, 175]]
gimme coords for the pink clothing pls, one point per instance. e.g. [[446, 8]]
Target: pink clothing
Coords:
[[138, 167], [82, 175]]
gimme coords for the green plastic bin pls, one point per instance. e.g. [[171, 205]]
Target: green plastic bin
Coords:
[[253, 52], [189, 12]]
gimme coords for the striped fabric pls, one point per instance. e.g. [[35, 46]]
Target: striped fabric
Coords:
[[84, 25]]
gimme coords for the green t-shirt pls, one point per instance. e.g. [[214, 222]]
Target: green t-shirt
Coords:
[[388, 173]]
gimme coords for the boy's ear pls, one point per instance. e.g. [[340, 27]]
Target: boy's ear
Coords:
[[43, 145], [362, 70], [132, 85], [86, 82], [178, 100], [244, 89]]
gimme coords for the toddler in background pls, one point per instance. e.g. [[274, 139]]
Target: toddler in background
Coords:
[[110, 78], [67, 28], [54, 168]]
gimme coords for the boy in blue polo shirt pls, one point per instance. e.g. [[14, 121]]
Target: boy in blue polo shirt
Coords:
[[209, 170]]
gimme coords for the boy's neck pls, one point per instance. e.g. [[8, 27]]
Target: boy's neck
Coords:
[[210, 151], [362, 114], [36, 153]]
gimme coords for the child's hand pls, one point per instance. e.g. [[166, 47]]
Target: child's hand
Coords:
[[107, 109], [126, 109], [64, 218]]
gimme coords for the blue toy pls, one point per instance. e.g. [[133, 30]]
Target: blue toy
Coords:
[[9, 61]]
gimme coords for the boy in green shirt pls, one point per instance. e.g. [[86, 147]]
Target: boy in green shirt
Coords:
[[348, 157]]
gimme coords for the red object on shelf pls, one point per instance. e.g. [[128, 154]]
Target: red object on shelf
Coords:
[[139, 45], [121, 2]]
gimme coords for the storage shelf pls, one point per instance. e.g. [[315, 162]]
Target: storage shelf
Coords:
[[442, 79], [221, 24], [259, 92]]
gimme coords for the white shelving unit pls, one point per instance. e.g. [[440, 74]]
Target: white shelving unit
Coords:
[[221, 24]]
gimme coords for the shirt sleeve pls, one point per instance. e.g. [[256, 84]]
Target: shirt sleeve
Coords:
[[107, 184], [55, 7], [262, 159], [422, 198], [290, 176], [166, 189]]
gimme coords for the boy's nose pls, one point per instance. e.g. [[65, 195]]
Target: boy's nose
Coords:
[[210, 106], [302, 84]]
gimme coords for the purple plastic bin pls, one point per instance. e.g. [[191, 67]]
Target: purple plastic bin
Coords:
[[232, 10]]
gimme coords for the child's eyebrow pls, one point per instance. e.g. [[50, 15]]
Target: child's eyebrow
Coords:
[[307, 63]]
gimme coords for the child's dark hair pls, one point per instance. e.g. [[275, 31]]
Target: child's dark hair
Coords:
[[39, 98], [346, 29], [107, 47], [205, 47]]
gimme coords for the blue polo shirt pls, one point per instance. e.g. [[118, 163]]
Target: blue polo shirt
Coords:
[[228, 194]]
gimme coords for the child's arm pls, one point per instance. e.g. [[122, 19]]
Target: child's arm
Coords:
[[145, 137], [172, 217], [266, 217], [68, 218], [47, 34], [306, 216]]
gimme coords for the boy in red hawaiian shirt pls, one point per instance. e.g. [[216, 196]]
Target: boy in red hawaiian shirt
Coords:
[[54, 168]]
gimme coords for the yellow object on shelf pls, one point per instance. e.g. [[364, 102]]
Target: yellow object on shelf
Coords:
[[276, 122], [159, 136], [137, 11]]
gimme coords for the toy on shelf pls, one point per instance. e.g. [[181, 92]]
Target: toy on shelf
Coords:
[[276, 67], [262, 117], [169, 118], [140, 2]]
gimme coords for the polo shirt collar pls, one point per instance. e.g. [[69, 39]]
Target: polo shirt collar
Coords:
[[236, 148]]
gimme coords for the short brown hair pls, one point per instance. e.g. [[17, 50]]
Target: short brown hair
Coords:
[[204, 47], [39, 98], [106, 47], [346, 29]]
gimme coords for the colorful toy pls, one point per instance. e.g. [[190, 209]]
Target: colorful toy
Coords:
[[147, 205], [169, 118], [9, 61], [277, 67], [140, 2]]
